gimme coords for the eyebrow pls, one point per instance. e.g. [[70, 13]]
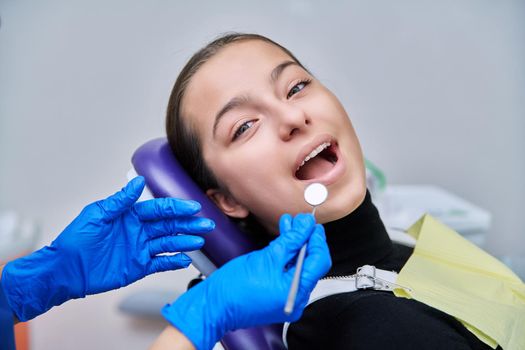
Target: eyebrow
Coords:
[[239, 101], [276, 72], [236, 102]]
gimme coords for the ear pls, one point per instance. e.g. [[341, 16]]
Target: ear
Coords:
[[227, 204]]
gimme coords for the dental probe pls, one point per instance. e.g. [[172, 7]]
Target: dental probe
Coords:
[[314, 194]]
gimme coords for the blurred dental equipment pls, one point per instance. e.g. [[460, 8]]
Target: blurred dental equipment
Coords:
[[315, 194], [18, 235]]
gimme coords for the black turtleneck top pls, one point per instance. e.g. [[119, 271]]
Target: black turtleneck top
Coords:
[[369, 319]]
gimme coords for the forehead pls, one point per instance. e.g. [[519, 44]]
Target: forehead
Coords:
[[237, 68]]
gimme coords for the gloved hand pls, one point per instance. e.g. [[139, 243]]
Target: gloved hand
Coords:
[[112, 243], [252, 289]]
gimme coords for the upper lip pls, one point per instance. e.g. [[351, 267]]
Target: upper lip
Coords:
[[309, 147]]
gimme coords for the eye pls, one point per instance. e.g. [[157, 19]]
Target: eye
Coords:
[[298, 87], [242, 129]]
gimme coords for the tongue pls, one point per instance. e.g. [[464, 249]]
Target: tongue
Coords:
[[314, 168]]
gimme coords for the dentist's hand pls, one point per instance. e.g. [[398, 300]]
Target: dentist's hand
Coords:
[[112, 243], [252, 289]]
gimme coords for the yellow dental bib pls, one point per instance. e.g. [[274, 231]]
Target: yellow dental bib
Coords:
[[451, 274]]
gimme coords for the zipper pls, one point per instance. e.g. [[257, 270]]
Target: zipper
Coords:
[[376, 283]]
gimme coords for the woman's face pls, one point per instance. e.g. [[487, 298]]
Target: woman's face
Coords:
[[267, 130]]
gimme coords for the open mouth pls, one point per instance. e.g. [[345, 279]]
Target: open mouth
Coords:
[[318, 162]]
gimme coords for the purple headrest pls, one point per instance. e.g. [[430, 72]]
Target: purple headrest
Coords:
[[166, 178]]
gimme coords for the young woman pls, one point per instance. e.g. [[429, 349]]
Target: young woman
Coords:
[[253, 127]]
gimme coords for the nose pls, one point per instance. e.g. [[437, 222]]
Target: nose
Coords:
[[292, 121]]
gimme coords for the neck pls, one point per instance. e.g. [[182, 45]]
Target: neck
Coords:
[[357, 239]]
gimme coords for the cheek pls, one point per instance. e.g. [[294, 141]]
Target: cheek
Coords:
[[255, 156], [326, 108], [336, 117], [240, 171], [262, 190]]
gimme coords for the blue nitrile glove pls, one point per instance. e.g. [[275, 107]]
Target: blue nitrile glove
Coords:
[[252, 289], [112, 243]]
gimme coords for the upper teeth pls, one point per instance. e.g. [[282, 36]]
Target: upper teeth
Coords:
[[315, 152]]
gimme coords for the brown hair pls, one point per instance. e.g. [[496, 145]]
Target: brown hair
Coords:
[[183, 141]]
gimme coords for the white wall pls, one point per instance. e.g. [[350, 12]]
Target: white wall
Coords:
[[436, 90]]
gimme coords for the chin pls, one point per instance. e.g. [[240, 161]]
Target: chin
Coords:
[[340, 206]]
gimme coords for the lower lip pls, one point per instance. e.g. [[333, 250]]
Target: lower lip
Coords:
[[334, 174]]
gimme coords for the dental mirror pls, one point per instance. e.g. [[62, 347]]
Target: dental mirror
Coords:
[[315, 194]]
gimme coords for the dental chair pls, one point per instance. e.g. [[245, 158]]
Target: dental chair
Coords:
[[165, 177]]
